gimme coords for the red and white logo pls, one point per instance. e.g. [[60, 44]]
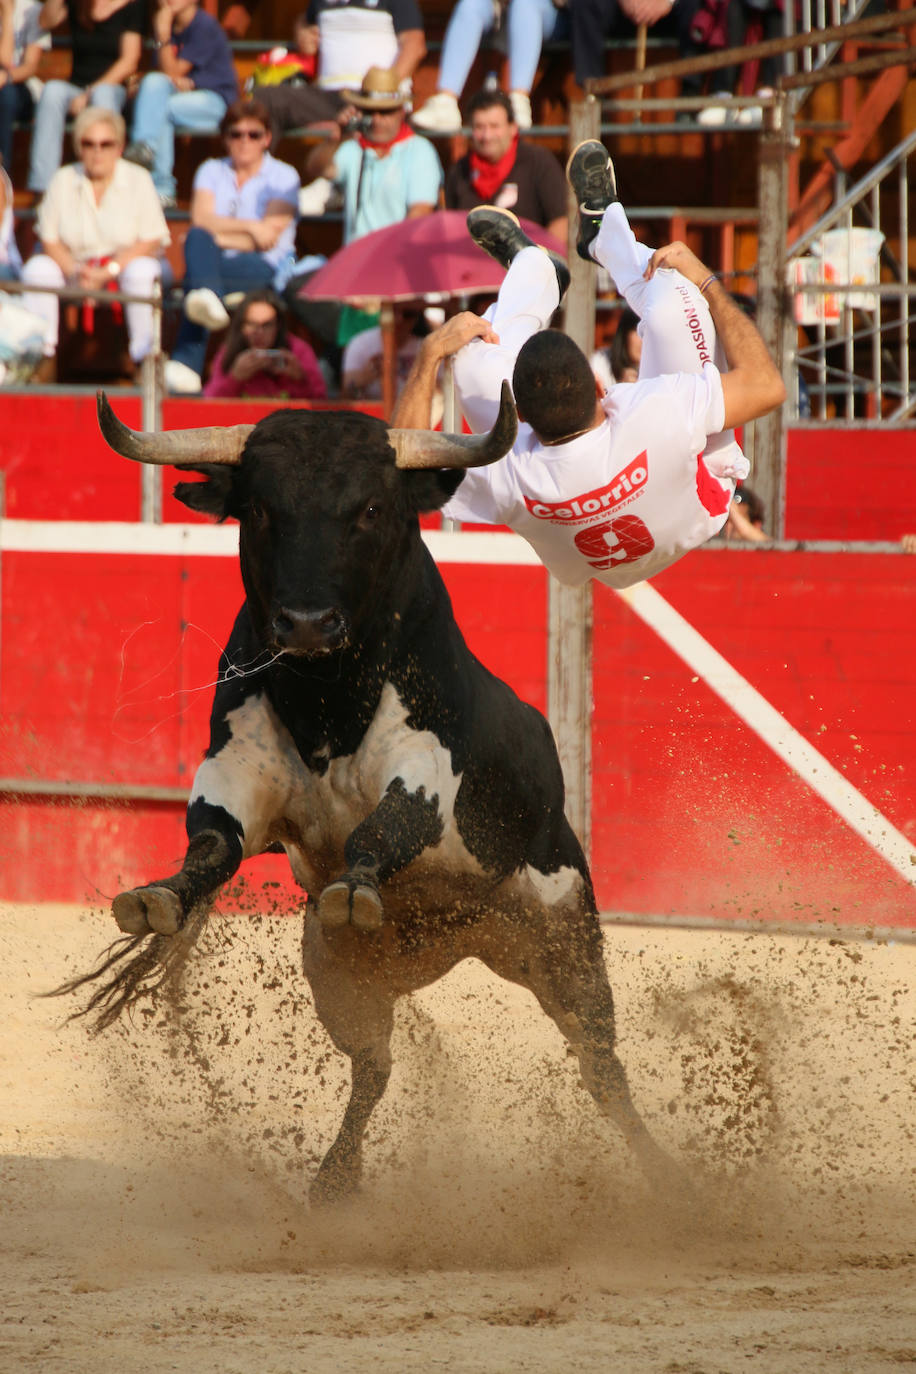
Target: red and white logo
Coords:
[[618, 491]]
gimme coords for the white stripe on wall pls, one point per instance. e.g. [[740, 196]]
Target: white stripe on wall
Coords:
[[766, 722]]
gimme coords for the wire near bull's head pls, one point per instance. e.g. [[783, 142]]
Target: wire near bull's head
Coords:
[[329, 529]]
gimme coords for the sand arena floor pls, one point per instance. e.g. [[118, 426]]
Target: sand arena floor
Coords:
[[154, 1210]]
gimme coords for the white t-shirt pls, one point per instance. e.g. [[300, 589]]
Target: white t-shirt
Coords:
[[623, 501], [352, 41]]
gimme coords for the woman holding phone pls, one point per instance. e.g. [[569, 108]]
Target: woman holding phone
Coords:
[[259, 358]]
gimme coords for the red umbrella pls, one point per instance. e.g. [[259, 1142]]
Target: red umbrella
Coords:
[[431, 255]]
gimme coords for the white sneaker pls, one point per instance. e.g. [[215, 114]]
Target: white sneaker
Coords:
[[750, 117], [204, 307], [521, 108], [181, 378], [440, 114], [313, 198], [715, 115]]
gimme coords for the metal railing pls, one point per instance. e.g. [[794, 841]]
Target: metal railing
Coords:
[[856, 362]]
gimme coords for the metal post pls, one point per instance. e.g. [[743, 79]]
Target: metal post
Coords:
[[151, 415], [772, 302], [569, 644]]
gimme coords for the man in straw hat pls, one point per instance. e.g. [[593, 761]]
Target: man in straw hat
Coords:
[[386, 172], [353, 35]]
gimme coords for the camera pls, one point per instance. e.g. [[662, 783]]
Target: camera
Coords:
[[359, 124]]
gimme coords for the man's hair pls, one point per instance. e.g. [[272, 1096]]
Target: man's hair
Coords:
[[554, 386], [488, 99]]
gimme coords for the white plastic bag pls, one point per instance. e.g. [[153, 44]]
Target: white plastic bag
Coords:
[[22, 336]]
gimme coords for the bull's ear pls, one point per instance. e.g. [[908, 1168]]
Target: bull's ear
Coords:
[[429, 489], [212, 496]]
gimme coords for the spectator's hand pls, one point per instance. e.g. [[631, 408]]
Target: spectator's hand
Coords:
[[646, 12], [266, 231], [909, 543], [248, 363], [679, 256], [288, 366], [183, 83], [79, 102], [346, 116], [92, 278]]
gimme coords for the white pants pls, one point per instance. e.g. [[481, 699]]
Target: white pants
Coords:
[[527, 299], [137, 279]]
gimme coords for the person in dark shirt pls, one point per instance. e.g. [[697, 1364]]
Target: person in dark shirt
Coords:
[[106, 38], [501, 168], [193, 89]]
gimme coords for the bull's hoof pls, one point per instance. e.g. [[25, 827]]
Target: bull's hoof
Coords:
[[148, 910], [341, 904]]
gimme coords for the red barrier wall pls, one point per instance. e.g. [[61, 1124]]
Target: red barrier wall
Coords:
[[108, 662]]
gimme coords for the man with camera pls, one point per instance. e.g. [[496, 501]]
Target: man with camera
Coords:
[[385, 171]]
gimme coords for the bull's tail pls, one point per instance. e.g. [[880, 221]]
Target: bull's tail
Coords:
[[131, 971]]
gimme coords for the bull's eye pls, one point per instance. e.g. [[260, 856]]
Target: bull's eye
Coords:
[[369, 515]]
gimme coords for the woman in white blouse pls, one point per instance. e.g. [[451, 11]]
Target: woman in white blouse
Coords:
[[100, 224]]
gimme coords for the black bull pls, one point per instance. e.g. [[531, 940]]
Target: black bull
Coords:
[[419, 801]]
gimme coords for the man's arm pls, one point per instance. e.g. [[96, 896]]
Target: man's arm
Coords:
[[414, 405], [752, 386]]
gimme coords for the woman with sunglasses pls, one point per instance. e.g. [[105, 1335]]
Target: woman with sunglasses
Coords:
[[260, 358], [100, 225], [243, 227]]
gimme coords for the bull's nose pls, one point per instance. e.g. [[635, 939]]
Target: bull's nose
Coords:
[[309, 632]]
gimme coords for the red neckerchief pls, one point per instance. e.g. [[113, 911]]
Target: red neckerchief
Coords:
[[487, 177], [381, 148]]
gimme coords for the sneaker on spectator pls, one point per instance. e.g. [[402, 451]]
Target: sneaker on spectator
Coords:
[[313, 198], [439, 115], [140, 153], [204, 307], [498, 232], [752, 115], [167, 200], [181, 378], [590, 173], [521, 108], [716, 114]]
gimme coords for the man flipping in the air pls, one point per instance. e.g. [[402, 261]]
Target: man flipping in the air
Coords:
[[614, 486]]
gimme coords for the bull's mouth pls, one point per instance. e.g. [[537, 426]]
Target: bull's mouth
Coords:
[[318, 651]]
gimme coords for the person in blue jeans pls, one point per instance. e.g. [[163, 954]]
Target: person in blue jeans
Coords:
[[192, 90], [529, 24], [107, 43], [242, 236]]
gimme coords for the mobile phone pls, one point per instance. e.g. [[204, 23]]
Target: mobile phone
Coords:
[[273, 352]]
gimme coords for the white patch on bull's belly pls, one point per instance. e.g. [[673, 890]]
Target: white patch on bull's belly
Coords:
[[259, 778], [552, 888]]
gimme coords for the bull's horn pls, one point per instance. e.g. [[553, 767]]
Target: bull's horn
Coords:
[[422, 448], [181, 448]]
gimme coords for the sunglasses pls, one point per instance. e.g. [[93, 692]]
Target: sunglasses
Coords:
[[101, 143], [253, 134]]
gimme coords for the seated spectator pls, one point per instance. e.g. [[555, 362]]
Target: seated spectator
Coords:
[[106, 39], [591, 21], [22, 41], [361, 368], [500, 168], [619, 361], [242, 235], [259, 358], [10, 261], [353, 35], [739, 16], [100, 225], [387, 173], [529, 24], [194, 88], [745, 517]]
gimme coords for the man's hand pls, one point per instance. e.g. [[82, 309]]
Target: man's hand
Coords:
[[456, 332], [646, 12], [678, 256]]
